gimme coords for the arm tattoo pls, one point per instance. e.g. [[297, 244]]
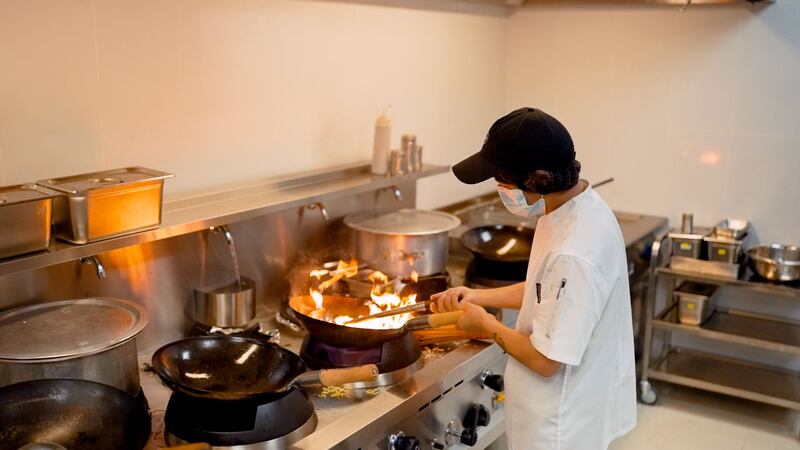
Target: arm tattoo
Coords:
[[497, 338]]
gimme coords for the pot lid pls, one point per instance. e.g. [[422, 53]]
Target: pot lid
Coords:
[[101, 180], [21, 193], [68, 328], [403, 221]]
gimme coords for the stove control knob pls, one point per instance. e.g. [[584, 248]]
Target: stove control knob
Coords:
[[437, 445], [399, 441], [477, 416], [492, 381]]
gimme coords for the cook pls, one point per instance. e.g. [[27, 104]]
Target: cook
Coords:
[[570, 381]]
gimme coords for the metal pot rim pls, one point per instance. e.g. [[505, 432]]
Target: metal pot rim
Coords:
[[355, 221], [141, 320]]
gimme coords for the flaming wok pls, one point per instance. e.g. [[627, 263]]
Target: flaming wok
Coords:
[[319, 320]]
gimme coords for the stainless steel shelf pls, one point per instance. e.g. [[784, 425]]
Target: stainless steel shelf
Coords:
[[735, 377], [729, 377], [744, 329], [187, 215], [747, 282]]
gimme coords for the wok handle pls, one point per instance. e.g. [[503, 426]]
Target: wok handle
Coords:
[[335, 377], [601, 183], [434, 320], [195, 446], [444, 319]]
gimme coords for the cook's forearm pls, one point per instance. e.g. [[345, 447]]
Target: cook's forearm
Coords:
[[503, 297], [519, 346]]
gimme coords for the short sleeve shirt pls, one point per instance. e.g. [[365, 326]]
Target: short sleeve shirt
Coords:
[[576, 309]]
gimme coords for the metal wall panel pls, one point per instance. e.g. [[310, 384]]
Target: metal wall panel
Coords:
[[162, 275]]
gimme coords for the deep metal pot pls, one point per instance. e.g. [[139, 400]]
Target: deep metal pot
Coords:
[[117, 367], [404, 241], [90, 339]]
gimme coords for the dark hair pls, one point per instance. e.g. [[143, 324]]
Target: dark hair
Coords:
[[543, 181]]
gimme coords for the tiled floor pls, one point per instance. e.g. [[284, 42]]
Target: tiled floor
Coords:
[[687, 419]]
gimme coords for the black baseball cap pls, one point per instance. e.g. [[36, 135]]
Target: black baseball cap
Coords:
[[523, 141]]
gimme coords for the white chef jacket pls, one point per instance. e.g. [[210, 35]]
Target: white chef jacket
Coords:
[[582, 320]]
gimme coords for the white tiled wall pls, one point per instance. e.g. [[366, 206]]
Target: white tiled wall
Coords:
[[690, 111], [223, 92]]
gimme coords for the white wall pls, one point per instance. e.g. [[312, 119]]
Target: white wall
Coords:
[[222, 92], [696, 111]]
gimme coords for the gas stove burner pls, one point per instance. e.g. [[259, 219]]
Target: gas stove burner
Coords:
[[396, 359], [272, 422], [486, 273]]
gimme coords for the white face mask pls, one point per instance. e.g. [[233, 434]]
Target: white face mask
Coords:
[[515, 201]]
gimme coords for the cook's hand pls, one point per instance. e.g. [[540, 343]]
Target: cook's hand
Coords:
[[448, 300], [474, 319]]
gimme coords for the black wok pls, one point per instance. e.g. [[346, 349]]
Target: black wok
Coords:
[[303, 307], [76, 414], [238, 368], [502, 243]]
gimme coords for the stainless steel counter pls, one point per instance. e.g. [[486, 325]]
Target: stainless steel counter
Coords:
[[355, 421], [365, 418]]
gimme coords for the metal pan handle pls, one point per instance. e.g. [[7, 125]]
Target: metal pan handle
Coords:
[[601, 183]]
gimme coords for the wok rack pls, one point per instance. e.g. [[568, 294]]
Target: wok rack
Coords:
[[271, 423]]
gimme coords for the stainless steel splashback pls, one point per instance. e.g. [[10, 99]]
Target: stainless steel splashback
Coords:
[[162, 275]]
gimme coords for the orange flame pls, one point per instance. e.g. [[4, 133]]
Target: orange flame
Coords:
[[318, 274], [382, 295]]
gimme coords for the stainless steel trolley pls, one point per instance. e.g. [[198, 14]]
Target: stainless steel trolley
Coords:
[[736, 377]]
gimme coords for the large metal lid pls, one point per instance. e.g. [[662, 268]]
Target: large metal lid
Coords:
[[22, 193], [101, 180], [68, 328], [403, 221]]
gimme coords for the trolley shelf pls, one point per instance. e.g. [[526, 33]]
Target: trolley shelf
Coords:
[[744, 329], [749, 281], [730, 377]]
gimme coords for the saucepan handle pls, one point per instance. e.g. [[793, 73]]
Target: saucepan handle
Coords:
[[335, 377]]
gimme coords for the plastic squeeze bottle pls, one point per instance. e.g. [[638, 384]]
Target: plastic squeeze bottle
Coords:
[[380, 146]]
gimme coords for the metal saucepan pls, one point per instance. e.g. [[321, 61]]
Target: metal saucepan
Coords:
[[230, 305], [776, 262], [503, 243], [73, 414], [353, 337], [238, 368]]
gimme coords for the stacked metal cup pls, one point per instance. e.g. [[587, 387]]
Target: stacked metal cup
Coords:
[[407, 159]]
